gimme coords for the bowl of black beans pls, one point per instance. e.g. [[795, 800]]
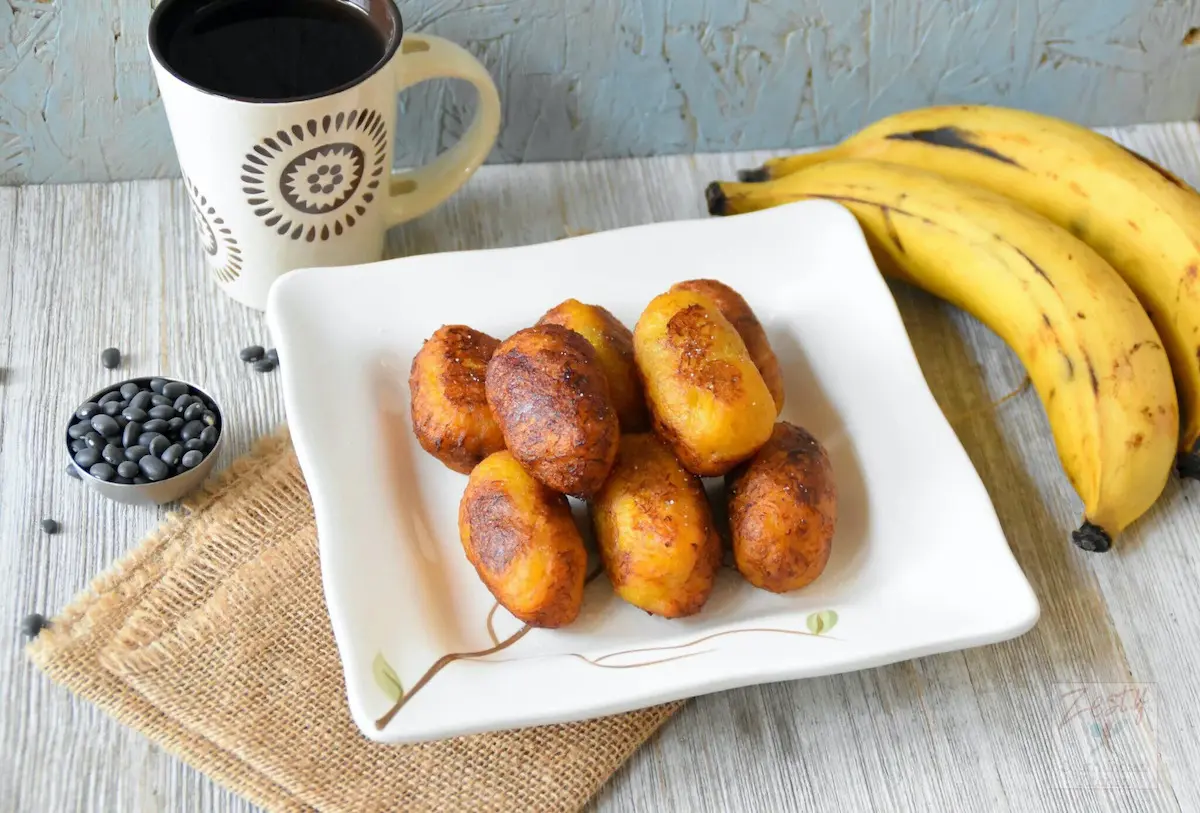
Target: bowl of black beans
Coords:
[[145, 441]]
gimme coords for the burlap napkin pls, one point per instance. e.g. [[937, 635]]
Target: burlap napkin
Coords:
[[212, 639]]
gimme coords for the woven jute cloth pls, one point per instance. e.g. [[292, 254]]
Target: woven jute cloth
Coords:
[[212, 639]]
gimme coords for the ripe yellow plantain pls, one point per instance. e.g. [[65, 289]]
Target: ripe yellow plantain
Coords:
[[1141, 218], [1090, 350]]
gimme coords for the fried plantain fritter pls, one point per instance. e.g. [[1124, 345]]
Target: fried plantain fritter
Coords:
[[450, 414], [523, 543], [706, 396], [783, 511], [551, 399], [655, 530]]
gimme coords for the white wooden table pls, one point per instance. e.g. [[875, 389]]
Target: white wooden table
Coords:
[[86, 267]]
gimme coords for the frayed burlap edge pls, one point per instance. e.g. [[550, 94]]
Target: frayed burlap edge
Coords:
[[67, 651]]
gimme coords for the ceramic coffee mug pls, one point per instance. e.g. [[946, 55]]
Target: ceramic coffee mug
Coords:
[[283, 172]]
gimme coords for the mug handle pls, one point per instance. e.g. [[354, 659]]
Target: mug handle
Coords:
[[422, 57]]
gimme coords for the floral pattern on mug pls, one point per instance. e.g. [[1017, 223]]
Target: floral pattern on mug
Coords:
[[313, 181], [221, 249]]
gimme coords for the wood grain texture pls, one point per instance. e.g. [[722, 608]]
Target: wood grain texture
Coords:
[[583, 79], [94, 265]]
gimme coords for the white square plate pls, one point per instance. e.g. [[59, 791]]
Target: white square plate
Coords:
[[919, 562]]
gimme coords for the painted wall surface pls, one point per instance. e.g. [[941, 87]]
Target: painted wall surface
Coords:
[[604, 78]]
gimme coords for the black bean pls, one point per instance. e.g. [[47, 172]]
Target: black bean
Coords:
[[111, 358], [193, 411], [124, 402], [102, 471], [78, 445], [195, 444], [158, 445], [209, 436], [174, 425], [123, 481], [171, 454], [77, 430], [209, 418], [129, 389], [95, 441], [87, 410], [265, 365], [146, 438], [33, 624], [157, 384], [153, 468], [86, 458], [175, 389], [273, 355], [160, 400], [141, 400], [113, 454], [121, 420], [252, 353], [49, 526], [193, 459], [140, 481], [112, 408], [114, 395], [156, 425], [72, 471], [105, 425], [133, 413], [127, 468], [191, 429], [136, 453], [133, 431], [163, 411]]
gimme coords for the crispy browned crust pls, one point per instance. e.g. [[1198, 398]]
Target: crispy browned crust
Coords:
[[552, 402], [655, 530], [613, 343], [512, 526], [450, 414], [783, 511], [735, 308]]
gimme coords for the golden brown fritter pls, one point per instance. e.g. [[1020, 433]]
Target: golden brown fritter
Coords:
[[655, 530], [550, 397], [706, 397], [613, 343], [783, 511], [734, 308], [450, 414], [521, 539]]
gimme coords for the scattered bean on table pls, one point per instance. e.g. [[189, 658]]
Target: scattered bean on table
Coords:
[[49, 526], [111, 358]]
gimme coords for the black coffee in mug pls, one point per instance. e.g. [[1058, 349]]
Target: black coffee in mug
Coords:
[[273, 50]]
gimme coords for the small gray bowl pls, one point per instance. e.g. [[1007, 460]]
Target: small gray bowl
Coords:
[[164, 491]]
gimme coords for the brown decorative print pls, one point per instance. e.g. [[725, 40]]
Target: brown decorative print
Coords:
[[315, 180], [223, 253], [818, 623]]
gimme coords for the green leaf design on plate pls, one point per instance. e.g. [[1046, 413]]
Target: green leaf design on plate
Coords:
[[821, 622], [386, 679]]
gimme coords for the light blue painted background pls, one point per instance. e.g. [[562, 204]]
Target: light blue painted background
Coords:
[[603, 78]]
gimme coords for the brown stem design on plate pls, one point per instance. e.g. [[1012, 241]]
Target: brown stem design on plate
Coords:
[[440, 664], [491, 629]]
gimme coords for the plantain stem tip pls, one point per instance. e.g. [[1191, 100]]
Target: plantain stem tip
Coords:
[[1091, 538], [716, 199]]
